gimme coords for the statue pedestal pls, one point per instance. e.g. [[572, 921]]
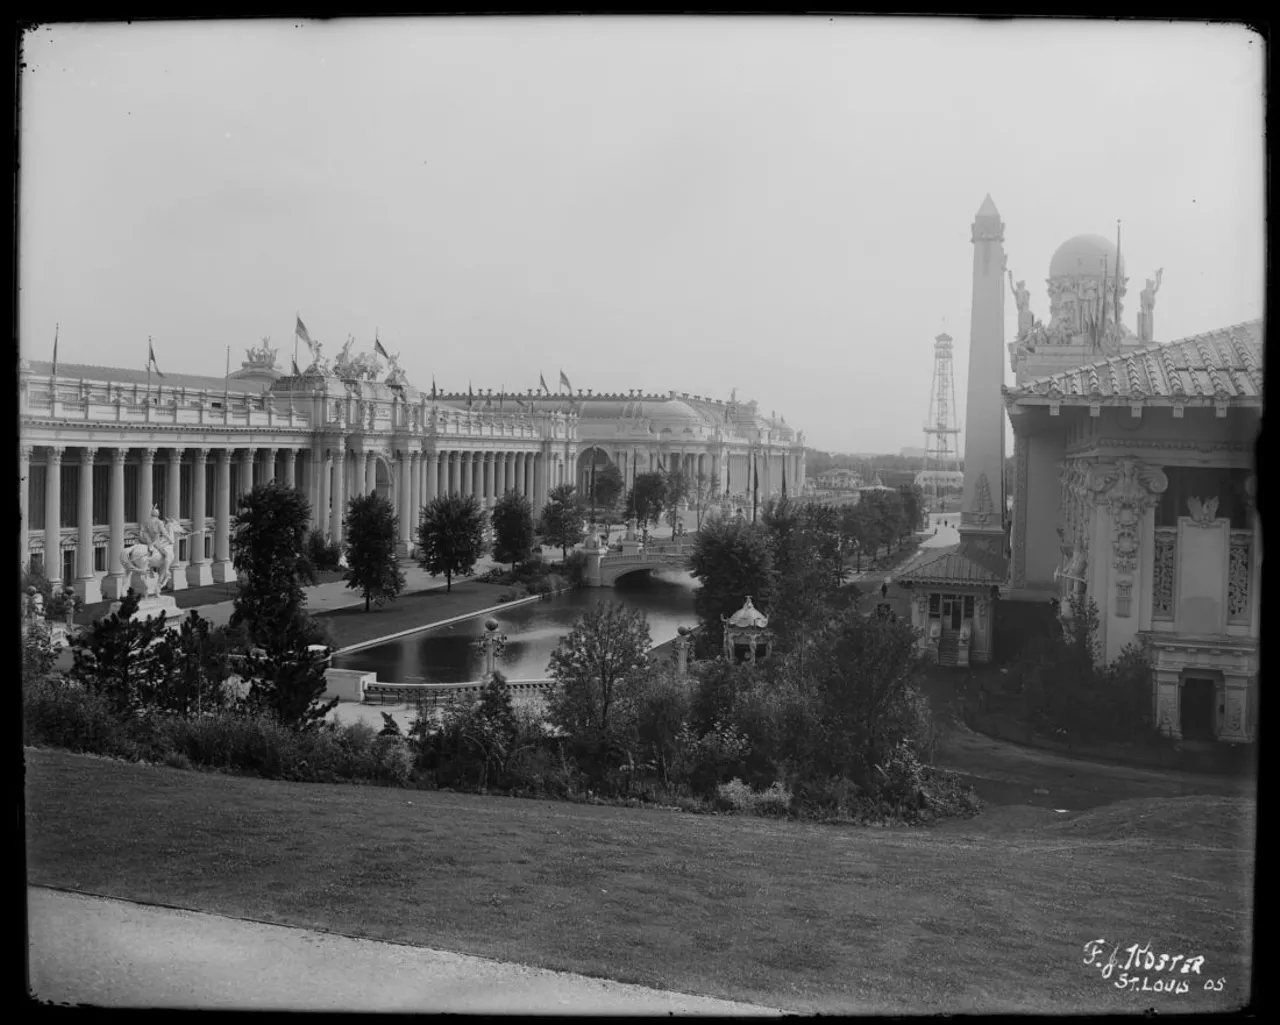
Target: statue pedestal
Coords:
[[154, 605]]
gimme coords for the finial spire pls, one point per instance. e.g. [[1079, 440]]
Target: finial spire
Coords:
[[988, 208]]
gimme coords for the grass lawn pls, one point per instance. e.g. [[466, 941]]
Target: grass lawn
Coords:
[[352, 625], [991, 914]]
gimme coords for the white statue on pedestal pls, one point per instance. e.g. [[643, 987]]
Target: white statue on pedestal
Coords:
[[153, 559]]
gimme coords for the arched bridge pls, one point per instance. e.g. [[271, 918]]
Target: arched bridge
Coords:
[[604, 569]]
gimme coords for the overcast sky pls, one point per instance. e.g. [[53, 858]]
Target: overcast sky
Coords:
[[780, 206]]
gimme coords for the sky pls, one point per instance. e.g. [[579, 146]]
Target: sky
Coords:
[[776, 206]]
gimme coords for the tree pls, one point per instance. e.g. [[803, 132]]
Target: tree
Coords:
[[269, 550], [122, 658], [451, 536], [608, 486], [801, 575], [861, 680], [513, 535], [912, 507], [608, 644], [373, 567], [561, 523], [858, 530], [675, 490], [731, 560], [702, 491], [647, 497], [286, 677]]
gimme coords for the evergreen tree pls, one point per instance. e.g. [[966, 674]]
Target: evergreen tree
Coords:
[[123, 658], [373, 567], [802, 579], [731, 560], [513, 535], [269, 550], [451, 536], [286, 676], [561, 523]]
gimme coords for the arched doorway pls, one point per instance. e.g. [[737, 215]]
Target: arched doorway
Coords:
[[1198, 712], [382, 479]]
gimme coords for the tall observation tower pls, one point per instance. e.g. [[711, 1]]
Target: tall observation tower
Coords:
[[941, 474]]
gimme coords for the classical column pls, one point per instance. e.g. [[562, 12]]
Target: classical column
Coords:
[[199, 572], [324, 487], [173, 509], [317, 485], [223, 571], [53, 514], [500, 485], [487, 474], [417, 463], [408, 470], [338, 507], [146, 482], [114, 585], [455, 471], [86, 585], [433, 476], [371, 475], [522, 460], [246, 474], [24, 485], [290, 467], [268, 465], [464, 459], [539, 482]]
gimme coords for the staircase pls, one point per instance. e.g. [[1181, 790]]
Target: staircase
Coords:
[[949, 650]]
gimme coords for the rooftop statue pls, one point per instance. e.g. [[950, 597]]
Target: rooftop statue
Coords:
[[396, 376], [343, 365], [265, 356], [1022, 297], [319, 365]]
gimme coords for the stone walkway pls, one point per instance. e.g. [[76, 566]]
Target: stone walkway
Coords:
[[111, 953]]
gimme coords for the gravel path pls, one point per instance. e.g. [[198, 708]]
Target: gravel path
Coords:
[[111, 953]]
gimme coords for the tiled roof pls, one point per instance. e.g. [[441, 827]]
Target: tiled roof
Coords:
[[127, 375], [962, 564], [1220, 366]]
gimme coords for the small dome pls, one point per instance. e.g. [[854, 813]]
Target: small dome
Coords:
[[748, 617], [1084, 255]]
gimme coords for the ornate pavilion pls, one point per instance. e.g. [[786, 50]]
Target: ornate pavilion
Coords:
[[1134, 487], [100, 446]]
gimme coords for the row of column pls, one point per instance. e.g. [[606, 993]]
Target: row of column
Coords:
[[198, 569], [420, 477]]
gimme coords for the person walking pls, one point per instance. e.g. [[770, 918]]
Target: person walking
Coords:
[[884, 589]]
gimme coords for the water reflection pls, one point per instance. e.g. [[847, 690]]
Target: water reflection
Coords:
[[448, 654]]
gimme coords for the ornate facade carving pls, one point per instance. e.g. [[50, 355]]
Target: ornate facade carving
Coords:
[[983, 510], [1239, 572], [1128, 487], [1164, 556], [1021, 464], [1202, 511]]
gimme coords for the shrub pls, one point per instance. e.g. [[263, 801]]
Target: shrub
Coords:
[[325, 555], [38, 652], [575, 569], [738, 796]]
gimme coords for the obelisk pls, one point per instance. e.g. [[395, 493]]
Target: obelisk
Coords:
[[982, 513]]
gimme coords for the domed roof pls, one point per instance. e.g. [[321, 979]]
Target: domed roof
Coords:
[[1084, 255], [748, 617], [675, 415]]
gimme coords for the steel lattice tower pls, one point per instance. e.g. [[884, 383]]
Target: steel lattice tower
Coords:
[[942, 449]]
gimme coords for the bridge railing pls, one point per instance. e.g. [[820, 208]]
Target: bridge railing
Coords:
[[438, 693]]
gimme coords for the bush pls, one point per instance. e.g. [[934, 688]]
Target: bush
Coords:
[[737, 796], [325, 555], [38, 652], [575, 569]]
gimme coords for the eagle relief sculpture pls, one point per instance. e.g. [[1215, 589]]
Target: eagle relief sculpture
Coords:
[[1127, 487], [1202, 512]]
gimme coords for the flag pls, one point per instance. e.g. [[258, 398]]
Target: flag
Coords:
[[151, 359], [296, 371], [565, 381], [470, 397], [543, 381], [502, 396], [784, 479], [55, 350], [301, 332], [433, 387], [377, 347]]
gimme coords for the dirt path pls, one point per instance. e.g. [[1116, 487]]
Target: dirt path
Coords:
[[112, 953]]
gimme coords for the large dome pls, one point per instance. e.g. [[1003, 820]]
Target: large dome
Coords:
[[1084, 255]]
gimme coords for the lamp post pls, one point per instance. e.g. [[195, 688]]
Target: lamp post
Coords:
[[491, 643], [682, 650]]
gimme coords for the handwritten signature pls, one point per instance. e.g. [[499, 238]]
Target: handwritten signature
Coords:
[[1140, 958]]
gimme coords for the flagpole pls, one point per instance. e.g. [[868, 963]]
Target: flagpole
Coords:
[[296, 317], [55, 350]]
